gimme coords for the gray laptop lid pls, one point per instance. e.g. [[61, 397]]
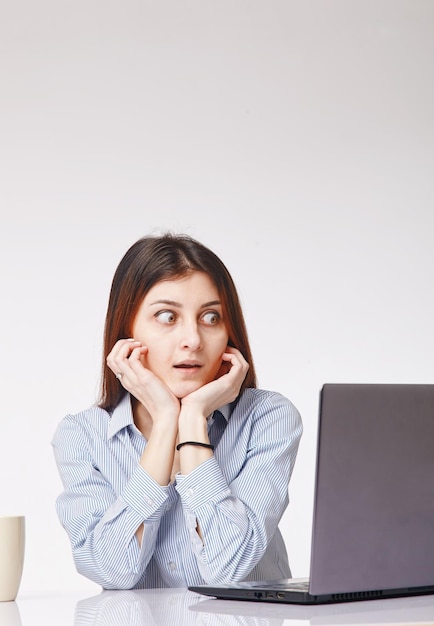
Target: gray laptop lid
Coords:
[[374, 498]]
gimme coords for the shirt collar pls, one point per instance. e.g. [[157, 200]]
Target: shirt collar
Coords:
[[226, 411], [122, 415]]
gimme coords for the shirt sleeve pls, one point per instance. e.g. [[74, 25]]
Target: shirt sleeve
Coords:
[[238, 516], [101, 525]]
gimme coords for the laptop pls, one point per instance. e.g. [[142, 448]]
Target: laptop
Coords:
[[373, 514]]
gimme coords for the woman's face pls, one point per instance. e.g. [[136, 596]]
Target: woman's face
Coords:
[[181, 323]]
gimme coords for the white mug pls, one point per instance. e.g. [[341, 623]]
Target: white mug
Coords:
[[12, 543]]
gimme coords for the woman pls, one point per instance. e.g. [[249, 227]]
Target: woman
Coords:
[[180, 474]]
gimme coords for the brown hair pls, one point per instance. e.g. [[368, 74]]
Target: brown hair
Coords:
[[148, 261]]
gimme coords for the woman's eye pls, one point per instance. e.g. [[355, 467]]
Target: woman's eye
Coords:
[[211, 317], [166, 317]]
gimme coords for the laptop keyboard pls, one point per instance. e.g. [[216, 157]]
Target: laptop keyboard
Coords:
[[301, 585]]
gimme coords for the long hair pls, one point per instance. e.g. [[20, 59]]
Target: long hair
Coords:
[[148, 261]]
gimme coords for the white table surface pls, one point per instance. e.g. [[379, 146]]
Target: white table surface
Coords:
[[180, 607]]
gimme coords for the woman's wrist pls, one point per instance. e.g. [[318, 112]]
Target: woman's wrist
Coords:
[[192, 427], [190, 414], [197, 444]]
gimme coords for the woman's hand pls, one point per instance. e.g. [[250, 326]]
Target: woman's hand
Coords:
[[156, 415], [127, 360], [197, 405], [225, 388]]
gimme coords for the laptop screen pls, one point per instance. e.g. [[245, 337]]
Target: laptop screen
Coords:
[[374, 495]]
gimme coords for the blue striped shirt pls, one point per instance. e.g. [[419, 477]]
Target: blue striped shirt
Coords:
[[237, 497]]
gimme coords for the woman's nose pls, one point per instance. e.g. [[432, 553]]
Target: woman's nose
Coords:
[[191, 336]]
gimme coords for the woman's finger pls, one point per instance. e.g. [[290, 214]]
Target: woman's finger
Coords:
[[118, 358]]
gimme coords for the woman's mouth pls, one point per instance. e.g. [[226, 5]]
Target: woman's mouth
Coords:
[[188, 365], [188, 369]]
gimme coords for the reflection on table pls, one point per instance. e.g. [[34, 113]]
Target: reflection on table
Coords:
[[180, 607], [10, 614], [184, 608], [157, 608]]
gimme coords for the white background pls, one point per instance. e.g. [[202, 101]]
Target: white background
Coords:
[[293, 137]]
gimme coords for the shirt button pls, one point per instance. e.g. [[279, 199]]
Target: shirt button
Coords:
[[191, 491], [149, 501], [172, 566]]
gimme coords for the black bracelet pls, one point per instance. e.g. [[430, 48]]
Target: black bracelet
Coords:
[[194, 443]]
